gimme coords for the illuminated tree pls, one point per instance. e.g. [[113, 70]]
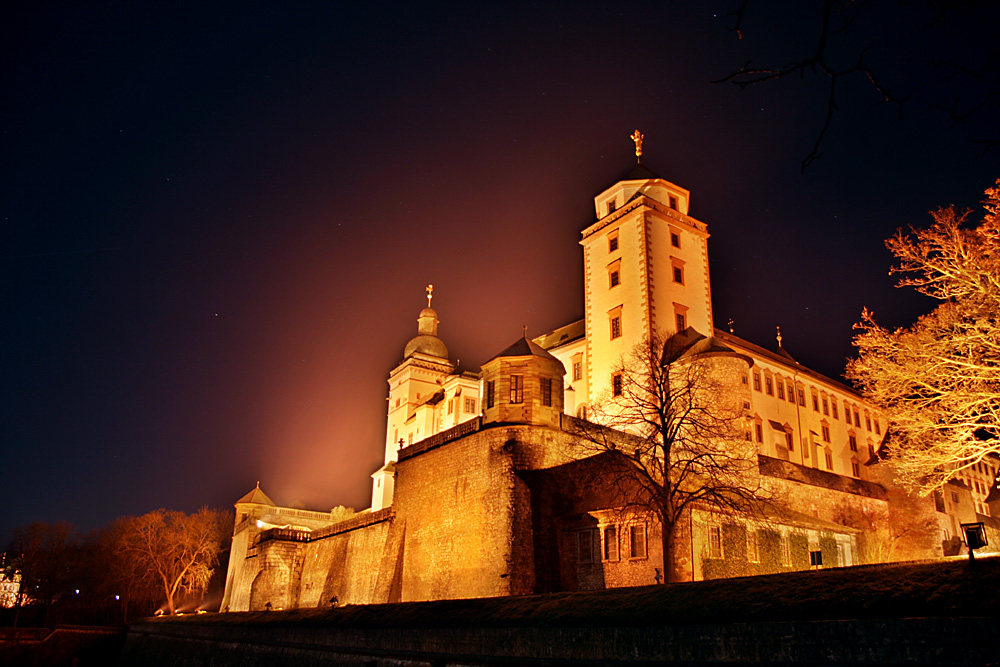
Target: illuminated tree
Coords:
[[178, 550], [939, 379], [674, 435]]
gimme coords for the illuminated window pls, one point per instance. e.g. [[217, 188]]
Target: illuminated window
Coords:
[[615, 273], [852, 442], [756, 381], [829, 459], [679, 321], [490, 393], [546, 391], [768, 386], [637, 541], [826, 406], [613, 241], [470, 405], [789, 442], [679, 275], [616, 326], [617, 384], [517, 389], [833, 405], [577, 370], [675, 239], [611, 543], [781, 389], [715, 541]]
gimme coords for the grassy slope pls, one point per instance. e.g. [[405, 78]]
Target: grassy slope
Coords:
[[907, 590]]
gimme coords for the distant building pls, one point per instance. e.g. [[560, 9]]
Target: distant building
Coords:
[[483, 490], [10, 584]]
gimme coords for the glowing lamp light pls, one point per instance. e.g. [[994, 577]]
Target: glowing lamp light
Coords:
[[77, 591], [116, 598], [260, 524]]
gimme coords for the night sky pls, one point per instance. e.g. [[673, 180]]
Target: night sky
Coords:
[[218, 219]]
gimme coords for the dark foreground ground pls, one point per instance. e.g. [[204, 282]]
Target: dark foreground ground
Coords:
[[930, 613]]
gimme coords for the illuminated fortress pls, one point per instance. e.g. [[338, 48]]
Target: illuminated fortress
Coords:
[[484, 490]]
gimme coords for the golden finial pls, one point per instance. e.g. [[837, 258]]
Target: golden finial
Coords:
[[430, 294], [779, 336], [637, 138]]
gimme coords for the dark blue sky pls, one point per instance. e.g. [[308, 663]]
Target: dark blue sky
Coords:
[[218, 219]]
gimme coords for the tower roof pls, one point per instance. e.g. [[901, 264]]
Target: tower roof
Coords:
[[256, 497], [524, 347], [426, 340], [640, 172]]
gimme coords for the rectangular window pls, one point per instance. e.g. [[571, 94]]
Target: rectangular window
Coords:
[[585, 546], [833, 404], [878, 429], [451, 405], [613, 241], [868, 423], [871, 451], [546, 384], [617, 384], [715, 541], [637, 541], [852, 442], [826, 433], [939, 501], [672, 201], [753, 551], [470, 405], [826, 406], [791, 392], [756, 380], [759, 429], [781, 390], [675, 239], [577, 371], [490, 393], [679, 275], [790, 442], [847, 412], [679, 321], [786, 551], [611, 206], [802, 397], [855, 469], [517, 389], [816, 558], [815, 403], [857, 418], [614, 278], [616, 326], [829, 460], [611, 543]]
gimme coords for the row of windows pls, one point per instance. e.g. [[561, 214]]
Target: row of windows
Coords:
[[515, 384], [469, 405], [827, 452], [597, 544], [819, 401], [615, 322]]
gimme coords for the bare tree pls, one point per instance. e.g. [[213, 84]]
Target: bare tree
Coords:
[[674, 434], [939, 379], [178, 549], [44, 554], [968, 84]]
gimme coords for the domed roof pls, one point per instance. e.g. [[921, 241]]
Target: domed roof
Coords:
[[426, 344], [428, 312]]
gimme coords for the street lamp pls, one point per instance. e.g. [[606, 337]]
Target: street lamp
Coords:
[[975, 537]]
